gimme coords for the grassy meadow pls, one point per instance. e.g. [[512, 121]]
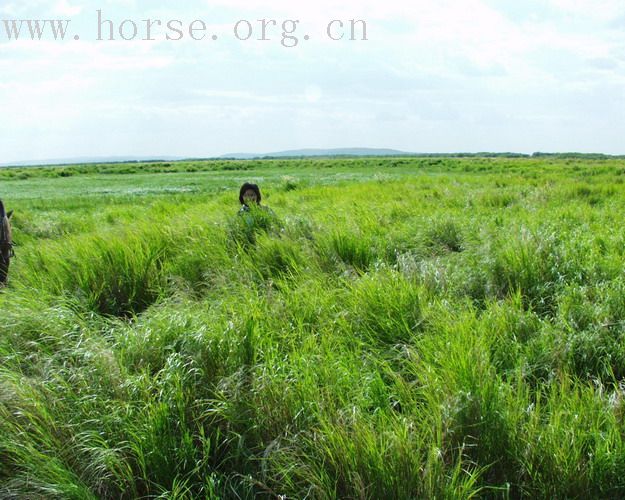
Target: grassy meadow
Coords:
[[402, 328]]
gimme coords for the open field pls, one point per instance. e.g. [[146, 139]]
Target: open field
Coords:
[[404, 328]]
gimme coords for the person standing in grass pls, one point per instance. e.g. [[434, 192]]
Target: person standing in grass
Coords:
[[249, 195], [255, 216], [250, 198]]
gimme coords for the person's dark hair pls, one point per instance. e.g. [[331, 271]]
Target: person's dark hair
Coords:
[[247, 186]]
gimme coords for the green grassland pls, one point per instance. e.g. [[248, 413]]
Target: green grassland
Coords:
[[402, 328]]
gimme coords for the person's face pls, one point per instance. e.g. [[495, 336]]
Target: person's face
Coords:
[[250, 196]]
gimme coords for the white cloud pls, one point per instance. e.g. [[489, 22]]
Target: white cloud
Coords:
[[596, 10], [450, 72], [63, 8]]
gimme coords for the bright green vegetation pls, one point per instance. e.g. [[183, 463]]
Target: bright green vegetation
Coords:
[[406, 328]]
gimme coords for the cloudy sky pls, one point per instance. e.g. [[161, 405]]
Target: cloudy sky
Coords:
[[433, 76]]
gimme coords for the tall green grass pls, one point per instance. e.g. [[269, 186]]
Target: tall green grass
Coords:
[[365, 342]]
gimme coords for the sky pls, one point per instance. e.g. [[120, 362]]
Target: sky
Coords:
[[432, 76]]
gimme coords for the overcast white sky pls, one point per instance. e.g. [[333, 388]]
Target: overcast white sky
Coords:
[[435, 76]]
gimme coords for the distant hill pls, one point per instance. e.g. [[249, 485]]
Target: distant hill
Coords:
[[305, 153], [318, 152], [298, 153], [235, 156]]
